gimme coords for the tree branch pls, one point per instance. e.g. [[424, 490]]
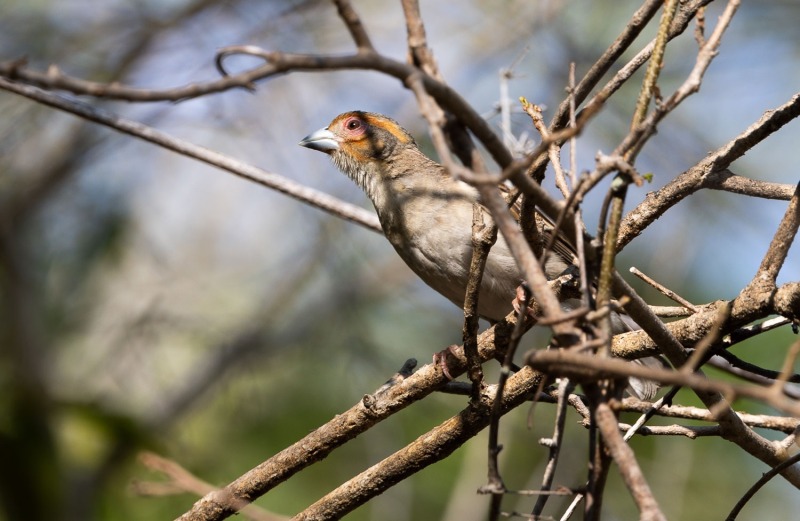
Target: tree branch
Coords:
[[277, 182]]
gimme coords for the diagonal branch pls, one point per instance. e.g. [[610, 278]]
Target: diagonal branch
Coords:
[[707, 173], [181, 480], [354, 25], [645, 128], [420, 54], [782, 240], [277, 182], [682, 19], [760, 483], [633, 28], [745, 308], [276, 63], [341, 429], [626, 462], [427, 449]]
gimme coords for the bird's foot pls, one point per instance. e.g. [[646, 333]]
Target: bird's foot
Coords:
[[520, 301], [440, 359]]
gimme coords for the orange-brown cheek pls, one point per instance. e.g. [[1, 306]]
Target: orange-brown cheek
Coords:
[[359, 150]]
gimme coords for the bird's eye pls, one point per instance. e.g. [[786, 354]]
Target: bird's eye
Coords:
[[353, 124]]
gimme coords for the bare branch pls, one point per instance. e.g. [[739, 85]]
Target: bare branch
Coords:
[[277, 182], [654, 67], [432, 446], [786, 301], [626, 461], [181, 480], [554, 445], [732, 427], [354, 25], [782, 240], [684, 16], [701, 175], [633, 28], [419, 53], [344, 427], [664, 290], [583, 368], [784, 424], [760, 483], [727, 181], [644, 129], [484, 235], [275, 63]]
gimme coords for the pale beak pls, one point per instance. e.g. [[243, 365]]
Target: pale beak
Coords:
[[323, 140]]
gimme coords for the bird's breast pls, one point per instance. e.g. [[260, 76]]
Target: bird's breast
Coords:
[[435, 241]]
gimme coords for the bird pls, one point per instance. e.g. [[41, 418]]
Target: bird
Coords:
[[426, 214]]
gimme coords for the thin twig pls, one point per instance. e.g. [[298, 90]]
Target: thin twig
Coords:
[[782, 240], [181, 481], [701, 354], [788, 368], [760, 483], [535, 113], [354, 25], [565, 388], [664, 290], [671, 311], [277, 182], [573, 142], [733, 365], [644, 418], [783, 424]]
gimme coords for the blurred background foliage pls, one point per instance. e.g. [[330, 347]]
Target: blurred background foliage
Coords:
[[151, 302]]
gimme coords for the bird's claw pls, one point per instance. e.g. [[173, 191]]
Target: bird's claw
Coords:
[[440, 359], [520, 300]]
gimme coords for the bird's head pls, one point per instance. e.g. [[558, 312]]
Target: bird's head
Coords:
[[364, 136], [368, 148]]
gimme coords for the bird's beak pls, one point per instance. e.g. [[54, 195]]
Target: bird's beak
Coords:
[[323, 140]]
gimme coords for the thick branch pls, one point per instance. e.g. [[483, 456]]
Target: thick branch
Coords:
[[628, 467], [589, 368], [427, 449], [341, 429], [732, 427]]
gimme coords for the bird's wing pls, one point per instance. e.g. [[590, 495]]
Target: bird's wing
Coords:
[[562, 246]]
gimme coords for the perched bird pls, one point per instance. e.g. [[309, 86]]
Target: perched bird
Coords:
[[427, 214]]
